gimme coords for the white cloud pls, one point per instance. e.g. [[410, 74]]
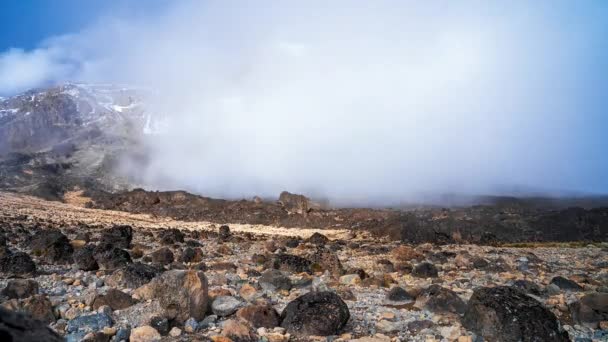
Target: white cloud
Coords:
[[376, 101]]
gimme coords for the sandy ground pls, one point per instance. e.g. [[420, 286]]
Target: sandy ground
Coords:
[[73, 212]]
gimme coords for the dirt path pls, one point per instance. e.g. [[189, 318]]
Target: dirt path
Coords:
[[72, 213]]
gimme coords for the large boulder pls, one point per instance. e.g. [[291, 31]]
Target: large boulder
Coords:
[[591, 309], [507, 314], [16, 326], [297, 204], [52, 246], [182, 294], [315, 313]]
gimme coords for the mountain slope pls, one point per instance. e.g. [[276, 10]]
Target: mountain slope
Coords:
[[70, 135]]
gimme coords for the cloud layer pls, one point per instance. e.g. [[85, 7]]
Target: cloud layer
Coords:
[[357, 101]]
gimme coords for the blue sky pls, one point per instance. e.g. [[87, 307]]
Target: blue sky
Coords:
[[25, 23], [499, 93]]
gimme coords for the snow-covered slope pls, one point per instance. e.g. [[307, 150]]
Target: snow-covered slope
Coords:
[[72, 132]]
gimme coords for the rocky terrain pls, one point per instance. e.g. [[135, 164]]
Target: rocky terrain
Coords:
[[76, 273], [516, 220]]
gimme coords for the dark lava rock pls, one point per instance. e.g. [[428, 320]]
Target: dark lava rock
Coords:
[[528, 287], [20, 288], [16, 326], [273, 280], [591, 309], [171, 236], [111, 258], [163, 256], [440, 299], [417, 326], [292, 242], [40, 308], [318, 239], [291, 263], [190, 254], [566, 284], [259, 316], [118, 236], [161, 324], [398, 294], [89, 323], [224, 232], [133, 276], [425, 270], [115, 299], [326, 260], [17, 264], [507, 314], [52, 246], [315, 313], [84, 258]]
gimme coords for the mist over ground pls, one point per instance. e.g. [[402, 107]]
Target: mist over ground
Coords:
[[354, 101]]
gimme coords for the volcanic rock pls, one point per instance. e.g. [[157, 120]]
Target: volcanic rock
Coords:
[[115, 299], [425, 270], [225, 305], [52, 246], [16, 326], [315, 313], [273, 280], [507, 314], [591, 309], [84, 258], [133, 275], [566, 284], [259, 316], [162, 256], [440, 299], [20, 288], [118, 236], [182, 294], [17, 264]]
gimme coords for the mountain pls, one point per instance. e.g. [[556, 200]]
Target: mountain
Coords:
[[71, 135]]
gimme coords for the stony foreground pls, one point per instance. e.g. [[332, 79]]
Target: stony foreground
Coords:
[[96, 275]]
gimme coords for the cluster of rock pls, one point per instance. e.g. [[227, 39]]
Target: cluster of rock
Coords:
[[124, 283]]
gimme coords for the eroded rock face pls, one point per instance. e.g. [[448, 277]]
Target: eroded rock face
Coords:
[[315, 313], [15, 326], [507, 314], [182, 294]]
